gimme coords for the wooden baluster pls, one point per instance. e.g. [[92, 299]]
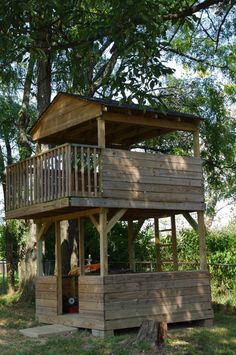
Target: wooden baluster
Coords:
[[89, 172], [59, 173], [56, 172], [7, 188], [51, 175], [69, 182], [82, 172], [63, 171], [76, 171], [30, 182], [95, 171]]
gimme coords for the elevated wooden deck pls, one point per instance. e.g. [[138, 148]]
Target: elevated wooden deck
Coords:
[[74, 177]]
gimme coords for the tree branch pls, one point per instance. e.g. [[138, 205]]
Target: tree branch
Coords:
[[192, 9]]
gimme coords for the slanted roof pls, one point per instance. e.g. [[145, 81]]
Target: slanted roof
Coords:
[[73, 118]]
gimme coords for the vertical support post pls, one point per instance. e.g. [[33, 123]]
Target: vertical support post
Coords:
[[196, 144], [101, 132], [81, 245], [58, 266], [158, 244], [202, 240], [103, 242], [131, 248], [39, 251], [174, 242]]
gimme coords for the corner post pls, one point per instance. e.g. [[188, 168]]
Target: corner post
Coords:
[[158, 244], [103, 242], [202, 240], [58, 266], [81, 244], [174, 242], [39, 251], [196, 144], [131, 245]]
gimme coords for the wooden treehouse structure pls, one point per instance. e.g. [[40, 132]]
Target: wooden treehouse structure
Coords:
[[92, 174]]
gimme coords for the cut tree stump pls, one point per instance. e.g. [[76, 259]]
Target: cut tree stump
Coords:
[[153, 332]]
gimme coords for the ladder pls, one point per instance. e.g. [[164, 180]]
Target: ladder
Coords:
[[172, 244]]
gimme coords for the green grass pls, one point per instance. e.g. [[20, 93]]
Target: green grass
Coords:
[[218, 340]]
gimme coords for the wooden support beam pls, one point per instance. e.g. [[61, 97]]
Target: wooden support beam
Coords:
[[191, 221], [39, 252], [181, 125], [101, 132], [202, 241], [103, 242], [115, 219], [157, 243], [174, 242], [43, 230], [81, 244], [196, 144], [131, 248], [95, 222], [68, 216], [58, 266]]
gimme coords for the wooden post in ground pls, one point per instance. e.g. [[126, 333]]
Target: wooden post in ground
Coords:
[[131, 245], [39, 251], [81, 245], [103, 242], [174, 242], [58, 267], [202, 240], [157, 244]]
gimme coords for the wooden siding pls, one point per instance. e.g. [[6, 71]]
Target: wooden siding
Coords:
[[124, 301], [153, 178], [46, 295], [172, 297], [63, 114]]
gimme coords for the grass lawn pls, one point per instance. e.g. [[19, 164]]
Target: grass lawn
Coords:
[[220, 339]]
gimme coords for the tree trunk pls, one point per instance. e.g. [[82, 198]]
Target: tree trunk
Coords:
[[153, 332]]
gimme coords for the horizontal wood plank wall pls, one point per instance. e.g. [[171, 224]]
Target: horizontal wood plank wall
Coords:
[[168, 296], [46, 296], [91, 301], [148, 177]]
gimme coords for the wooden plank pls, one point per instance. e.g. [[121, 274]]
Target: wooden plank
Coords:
[[167, 158], [47, 303], [170, 318], [47, 295], [191, 221], [156, 276], [58, 267], [196, 144], [82, 172], [155, 310], [115, 219], [151, 122], [101, 132], [117, 185], [202, 241], [174, 242], [153, 196], [197, 291], [68, 216], [53, 123], [103, 242], [157, 244], [81, 245]]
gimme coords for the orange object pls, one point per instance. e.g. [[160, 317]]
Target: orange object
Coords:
[[92, 267]]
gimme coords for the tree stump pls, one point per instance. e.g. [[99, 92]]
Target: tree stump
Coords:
[[153, 332]]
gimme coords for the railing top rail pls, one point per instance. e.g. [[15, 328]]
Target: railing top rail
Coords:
[[51, 150]]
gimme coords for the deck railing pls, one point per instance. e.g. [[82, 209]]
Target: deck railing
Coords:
[[60, 172]]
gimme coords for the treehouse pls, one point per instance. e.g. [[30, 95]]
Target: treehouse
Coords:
[[91, 173]]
